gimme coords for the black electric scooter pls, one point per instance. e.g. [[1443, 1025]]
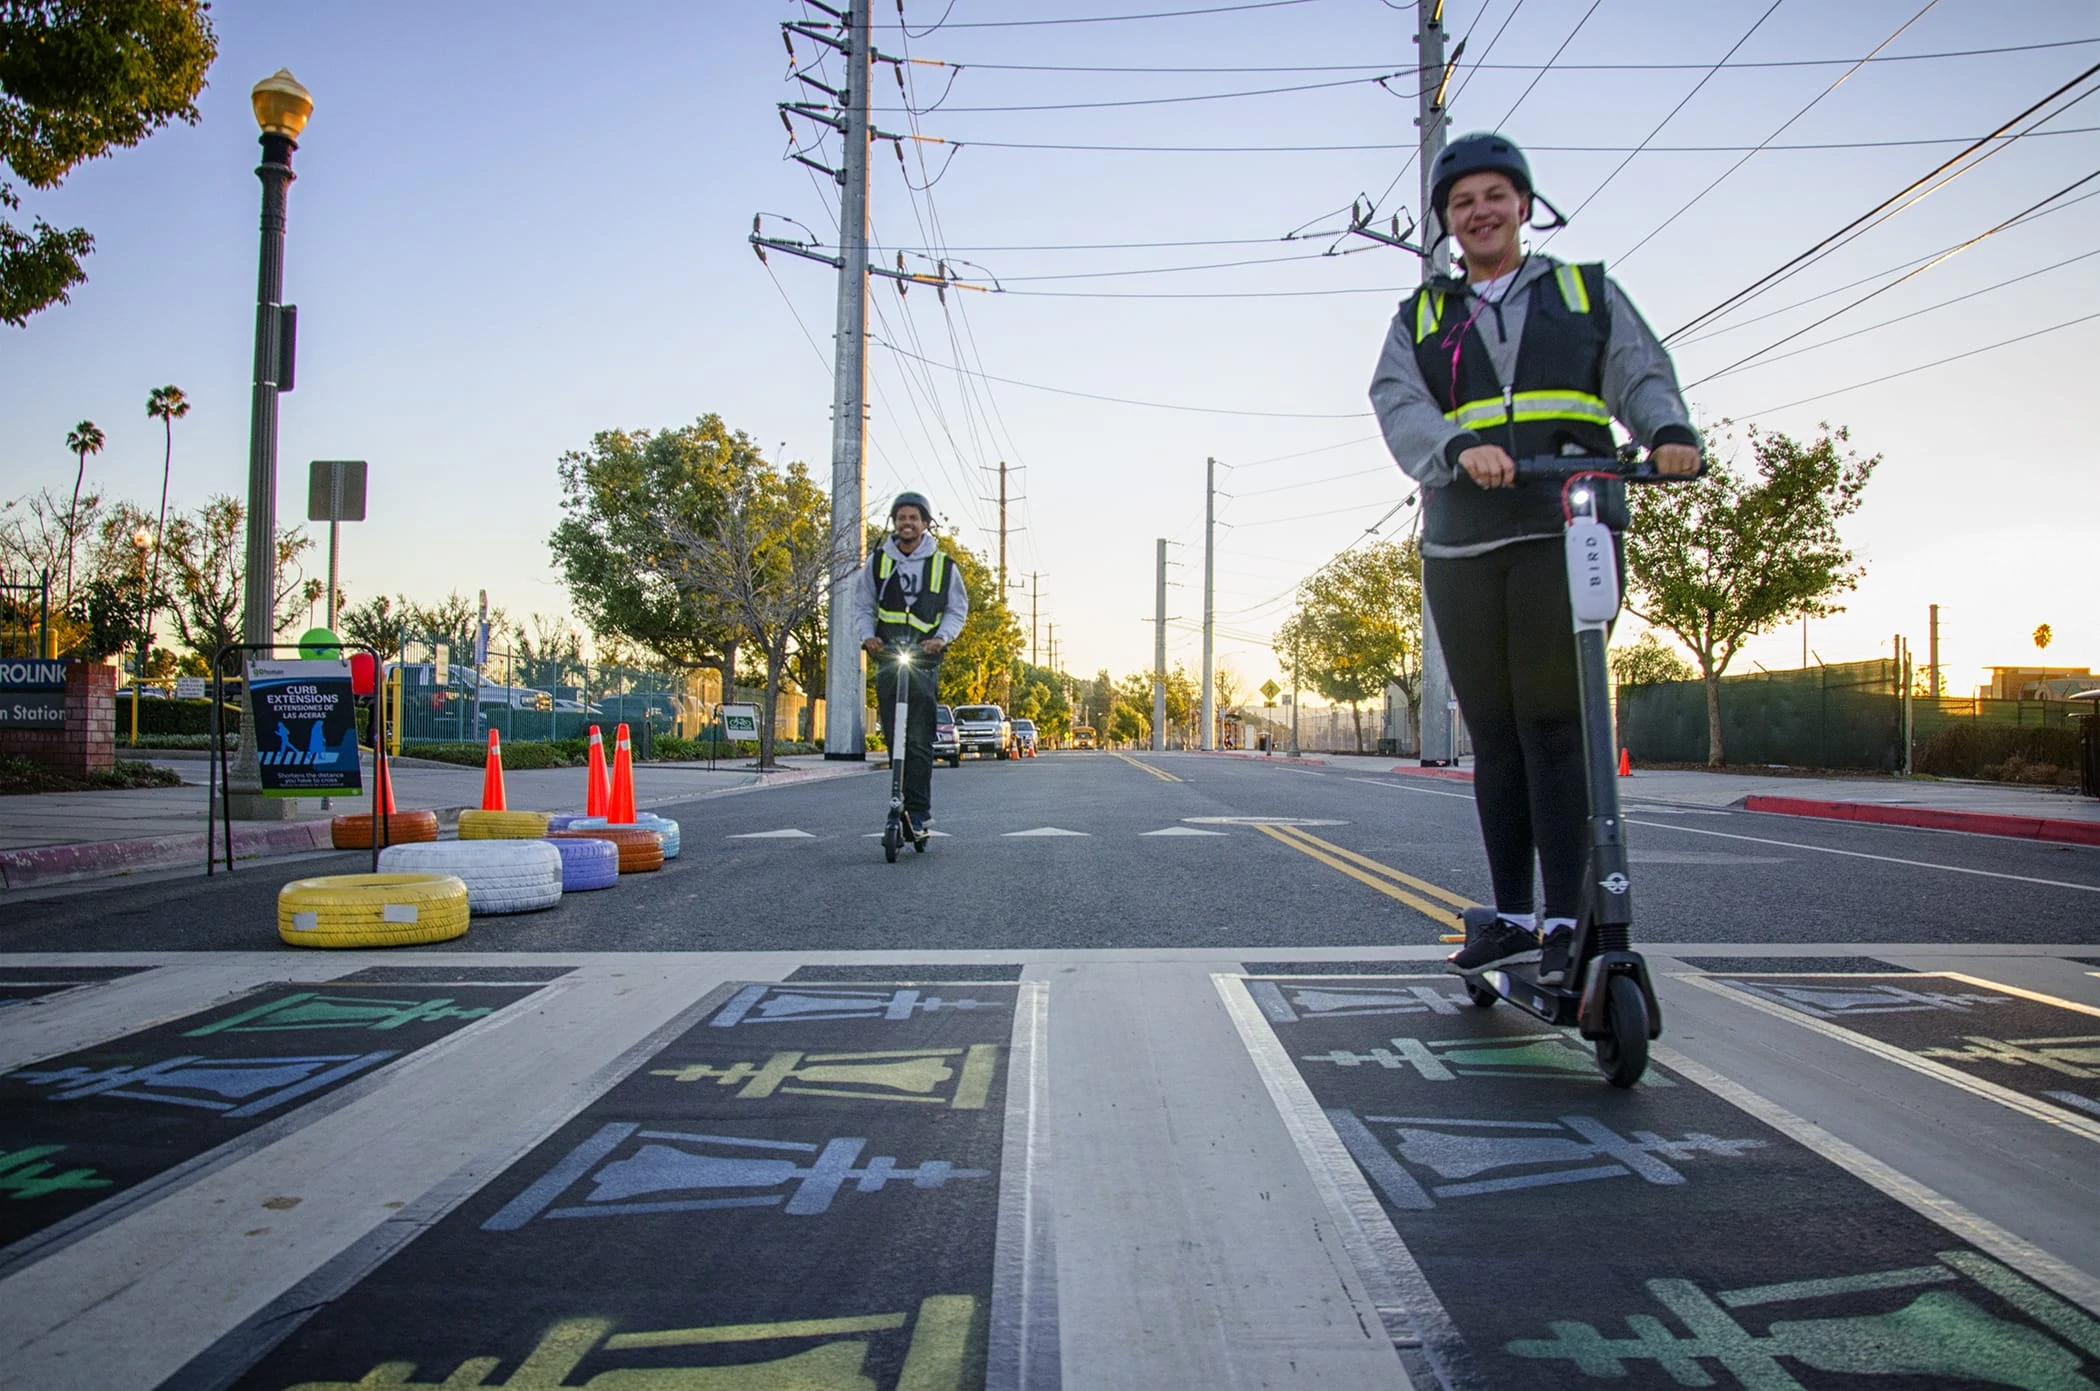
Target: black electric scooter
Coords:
[[899, 829], [1606, 995]]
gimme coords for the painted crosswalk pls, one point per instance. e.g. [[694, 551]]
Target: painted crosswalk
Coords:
[[810, 1169]]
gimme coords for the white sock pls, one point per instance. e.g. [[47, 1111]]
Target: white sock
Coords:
[[1528, 921], [1554, 925]]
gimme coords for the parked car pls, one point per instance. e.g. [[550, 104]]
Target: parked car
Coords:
[[944, 742], [984, 729], [1024, 739], [1083, 737]]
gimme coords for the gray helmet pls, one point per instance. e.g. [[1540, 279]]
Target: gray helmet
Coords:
[[917, 500], [1479, 152]]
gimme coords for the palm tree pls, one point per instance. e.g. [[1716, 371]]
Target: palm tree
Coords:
[[83, 439], [168, 405]]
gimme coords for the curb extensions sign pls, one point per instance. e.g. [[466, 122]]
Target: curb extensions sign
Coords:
[[33, 694], [305, 723]]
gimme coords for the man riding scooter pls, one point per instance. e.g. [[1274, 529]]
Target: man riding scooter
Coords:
[[910, 592]]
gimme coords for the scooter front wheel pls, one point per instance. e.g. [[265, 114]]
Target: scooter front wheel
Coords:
[[892, 840], [1622, 1054]]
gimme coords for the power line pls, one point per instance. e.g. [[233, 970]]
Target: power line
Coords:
[[1110, 18], [1771, 278], [1166, 270], [1805, 146], [1314, 482], [1843, 78], [1927, 366], [1504, 122], [1127, 401], [1485, 66], [1946, 255], [1155, 101]]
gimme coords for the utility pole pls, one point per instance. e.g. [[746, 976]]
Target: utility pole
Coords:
[[1209, 739], [1159, 655], [1034, 582], [1932, 655], [1439, 729]]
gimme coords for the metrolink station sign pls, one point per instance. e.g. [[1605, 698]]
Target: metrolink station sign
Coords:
[[32, 694]]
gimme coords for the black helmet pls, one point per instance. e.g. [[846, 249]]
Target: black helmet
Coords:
[[917, 500], [1478, 152]]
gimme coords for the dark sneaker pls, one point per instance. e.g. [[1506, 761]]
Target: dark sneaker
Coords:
[[1502, 943], [1556, 958]]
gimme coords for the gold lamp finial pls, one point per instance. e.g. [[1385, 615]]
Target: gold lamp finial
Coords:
[[281, 104]]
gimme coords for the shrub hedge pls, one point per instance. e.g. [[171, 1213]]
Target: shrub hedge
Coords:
[[2000, 753]]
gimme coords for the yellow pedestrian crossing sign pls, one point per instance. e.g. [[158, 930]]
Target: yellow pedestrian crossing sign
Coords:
[[1270, 690]]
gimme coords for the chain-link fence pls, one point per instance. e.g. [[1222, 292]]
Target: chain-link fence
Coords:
[[1848, 715]]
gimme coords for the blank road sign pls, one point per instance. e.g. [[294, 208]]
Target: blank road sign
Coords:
[[335, 490]]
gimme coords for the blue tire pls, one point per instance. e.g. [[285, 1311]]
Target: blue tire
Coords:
[[588, 864], [563, 820]]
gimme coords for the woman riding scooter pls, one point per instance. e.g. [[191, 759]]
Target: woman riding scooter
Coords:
[[1520, 356]]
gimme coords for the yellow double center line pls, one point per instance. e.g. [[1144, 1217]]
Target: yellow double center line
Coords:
[[1368, 871], [1162, 774]]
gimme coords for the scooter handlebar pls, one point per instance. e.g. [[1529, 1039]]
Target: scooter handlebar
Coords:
[[1559, 468]]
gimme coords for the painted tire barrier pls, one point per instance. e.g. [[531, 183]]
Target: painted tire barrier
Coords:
[[502, 825], [645, 821], [372, 910], [640, 850], [402, 828], [502, 876], [563, 820], [587, 864]]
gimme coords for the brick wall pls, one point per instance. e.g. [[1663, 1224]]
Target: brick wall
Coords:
[[88, 742]]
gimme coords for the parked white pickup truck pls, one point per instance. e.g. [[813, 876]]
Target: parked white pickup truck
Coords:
[[984, 729]]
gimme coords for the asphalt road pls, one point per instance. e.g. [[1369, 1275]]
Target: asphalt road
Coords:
[[798, 868]]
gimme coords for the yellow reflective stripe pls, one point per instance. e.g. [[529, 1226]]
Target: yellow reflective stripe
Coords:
[[1532, 406], [939, 568], [883, 565], [1428, 311], [908, 620], [1573, 292]]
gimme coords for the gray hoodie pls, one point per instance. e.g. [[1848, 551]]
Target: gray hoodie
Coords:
[[1640, 385], [911, 573]]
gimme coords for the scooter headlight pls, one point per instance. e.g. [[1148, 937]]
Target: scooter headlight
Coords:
[[1580, 496]]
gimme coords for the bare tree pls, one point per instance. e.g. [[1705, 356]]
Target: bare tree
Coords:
[[765, 562]]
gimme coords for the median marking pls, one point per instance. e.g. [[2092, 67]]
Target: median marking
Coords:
[[1372, 873], [1162, 774]]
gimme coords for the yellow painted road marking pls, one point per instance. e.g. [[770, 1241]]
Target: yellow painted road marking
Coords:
[[1162, 774], [1436, 891], [2037, 996], [1318, 849]]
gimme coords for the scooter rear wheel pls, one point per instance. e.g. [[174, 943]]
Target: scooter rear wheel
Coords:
[[1622, 1054], [1483, 994]]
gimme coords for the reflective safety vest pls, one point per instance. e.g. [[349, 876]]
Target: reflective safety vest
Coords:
[[1555, 405], [902, 619]]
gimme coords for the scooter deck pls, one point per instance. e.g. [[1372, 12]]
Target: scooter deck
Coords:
[[1519, 984]]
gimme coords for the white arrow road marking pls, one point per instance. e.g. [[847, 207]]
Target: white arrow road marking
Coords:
[[774, 835], [1183, 831], [1044, 831], [930, 835]]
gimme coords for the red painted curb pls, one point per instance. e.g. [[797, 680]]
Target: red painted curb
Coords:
[[1445, 774], [54, 864], [1254, 754], [1975, 822]]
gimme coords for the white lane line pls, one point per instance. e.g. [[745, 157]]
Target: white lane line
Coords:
[[1863, 855], [1795, 845], [1406, 787]]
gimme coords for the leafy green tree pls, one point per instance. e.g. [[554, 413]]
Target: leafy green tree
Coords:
[[623, 572], [978, 665], [1646, 661], [1717, 562], [1358, 629], [766, 562], [207, 556], [1130, 713], [77, 81], [82, 440], [377, 622]]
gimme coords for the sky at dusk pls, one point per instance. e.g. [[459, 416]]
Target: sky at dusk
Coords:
[[517, 224]]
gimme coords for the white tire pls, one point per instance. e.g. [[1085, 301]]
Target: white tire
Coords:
[[502, 876]]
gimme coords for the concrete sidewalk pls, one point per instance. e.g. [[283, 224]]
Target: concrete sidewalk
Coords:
[[1982, 808], [57, 837]]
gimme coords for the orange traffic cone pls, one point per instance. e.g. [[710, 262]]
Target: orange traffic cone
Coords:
[[596, 794], [383, 794], [1625, 763], [620, 807], [492, 778]]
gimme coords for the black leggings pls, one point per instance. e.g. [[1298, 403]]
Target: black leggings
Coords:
[[1508, 638]]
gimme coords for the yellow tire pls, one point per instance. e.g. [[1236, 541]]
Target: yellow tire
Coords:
[[502, 825], [372, 910]]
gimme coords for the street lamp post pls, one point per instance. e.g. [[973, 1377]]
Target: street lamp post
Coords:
[[142, 541], [282, 107]]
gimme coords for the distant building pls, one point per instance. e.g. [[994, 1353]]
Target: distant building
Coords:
[[2036, 683]]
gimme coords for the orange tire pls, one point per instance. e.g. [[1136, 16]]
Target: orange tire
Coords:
[[640, 851], [402, 828]]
